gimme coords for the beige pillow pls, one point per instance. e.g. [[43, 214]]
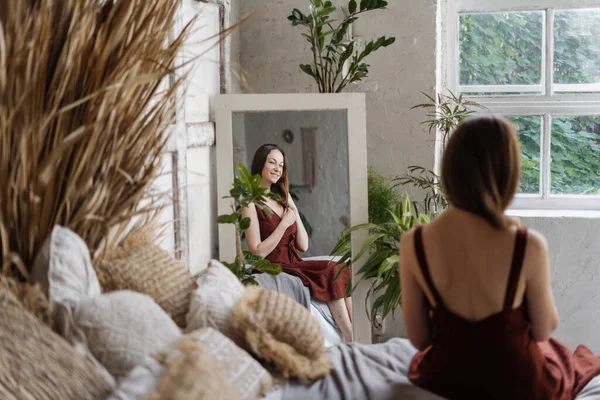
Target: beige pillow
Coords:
[[31, 297], [280, 330], [36, 363], [142, 266], [213, 301], [63, 268], [122, 328], [191, 373], [241, 370]]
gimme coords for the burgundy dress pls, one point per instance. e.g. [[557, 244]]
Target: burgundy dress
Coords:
[[497, 358], [317, 275]]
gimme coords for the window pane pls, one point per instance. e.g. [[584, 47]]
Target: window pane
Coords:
[[577, 46], [575, 147], [528, 129], [501, 48]]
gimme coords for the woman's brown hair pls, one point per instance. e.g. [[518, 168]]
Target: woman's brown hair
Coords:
[[281, 187], [481, 167]]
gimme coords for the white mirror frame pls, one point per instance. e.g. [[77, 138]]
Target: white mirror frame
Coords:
[[354, 104]]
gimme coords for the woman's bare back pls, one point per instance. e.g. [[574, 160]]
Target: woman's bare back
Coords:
[[469, 262]]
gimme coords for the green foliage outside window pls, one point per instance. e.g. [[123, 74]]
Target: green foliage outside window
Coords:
[[505, 49]]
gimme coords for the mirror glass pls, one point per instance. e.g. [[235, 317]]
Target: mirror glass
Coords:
[[316, 147]]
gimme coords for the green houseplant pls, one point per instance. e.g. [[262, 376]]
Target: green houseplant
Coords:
[[246, 190], [382, 251], [331, 49]]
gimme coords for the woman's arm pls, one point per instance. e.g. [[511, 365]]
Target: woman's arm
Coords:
[[538, 289], [255, 245], [301, 235], [415, 307]]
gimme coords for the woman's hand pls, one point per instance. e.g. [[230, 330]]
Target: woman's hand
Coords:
[[289, 217]]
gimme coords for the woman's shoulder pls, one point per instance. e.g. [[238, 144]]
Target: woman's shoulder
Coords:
[[536, 241]]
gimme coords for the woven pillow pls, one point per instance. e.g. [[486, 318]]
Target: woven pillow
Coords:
[[241, 370], [36, 363], [142, 266], [191, 372], [122, 328], [31, 297], [213, 301], [280, 330]]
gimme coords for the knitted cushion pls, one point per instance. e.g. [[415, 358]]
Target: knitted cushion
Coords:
[[213, 301], [243, 372], [280, 330], [191, 372], [36, 363], [142, 266], [122, 328]]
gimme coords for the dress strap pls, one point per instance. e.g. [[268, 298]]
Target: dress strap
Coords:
[[422, 261], [515, 269]]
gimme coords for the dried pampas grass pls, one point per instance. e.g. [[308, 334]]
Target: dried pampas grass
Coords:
[[82, 121]]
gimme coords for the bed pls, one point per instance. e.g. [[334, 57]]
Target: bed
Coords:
[[360, 372], [378, 372]]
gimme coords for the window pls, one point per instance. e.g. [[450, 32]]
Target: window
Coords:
[[539, 66]]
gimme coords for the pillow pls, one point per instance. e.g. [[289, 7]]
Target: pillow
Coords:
[[213, 301], [122, 328], [140, 381], [63, 268], [191, 373], [31, 297], [280, 330], [142, 266], [36, 363], [243, 372]]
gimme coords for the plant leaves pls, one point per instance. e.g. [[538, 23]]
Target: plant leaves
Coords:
[[352, 6], [244, 224], [266, 266], [228, 218]]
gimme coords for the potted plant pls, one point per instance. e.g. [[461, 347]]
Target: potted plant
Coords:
[[246, 190], [337, 60]]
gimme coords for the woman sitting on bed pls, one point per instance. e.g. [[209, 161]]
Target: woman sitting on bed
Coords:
[[476, 293], [280, 235]]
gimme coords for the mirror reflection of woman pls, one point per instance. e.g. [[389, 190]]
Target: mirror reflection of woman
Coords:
[[280, 236], [476, 294]]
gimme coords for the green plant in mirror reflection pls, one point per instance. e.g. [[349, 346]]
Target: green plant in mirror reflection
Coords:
[[246, 190]]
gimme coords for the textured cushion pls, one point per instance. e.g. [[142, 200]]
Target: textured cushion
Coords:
[[122, 328], [140, 381], [31, 298], [213, 301], [36, 363], [142, 266], [243, 372], [280, 330], [191, 372], [63, 268]]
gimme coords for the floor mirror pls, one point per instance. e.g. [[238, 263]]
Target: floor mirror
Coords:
[[324, 139]]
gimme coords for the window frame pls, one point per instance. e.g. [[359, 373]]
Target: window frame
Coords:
[[550, 102]]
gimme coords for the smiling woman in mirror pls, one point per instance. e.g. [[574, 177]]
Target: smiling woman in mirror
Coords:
[[280, 235]]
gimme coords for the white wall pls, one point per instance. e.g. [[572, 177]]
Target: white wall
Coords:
[[270, 52]]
